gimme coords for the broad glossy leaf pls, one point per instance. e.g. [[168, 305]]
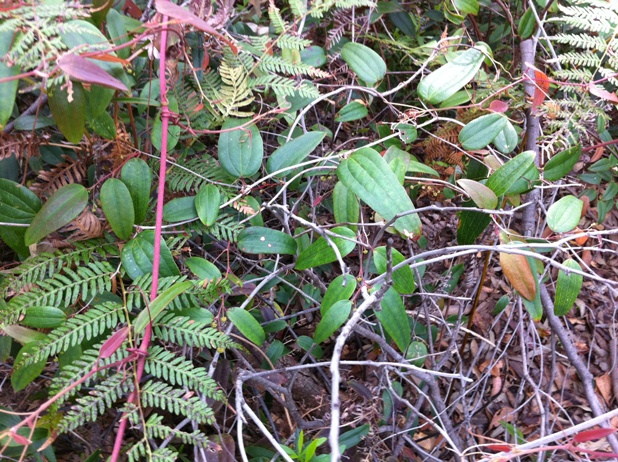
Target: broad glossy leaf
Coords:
[[366, 174], [366, 63], [156, 307], [116, 27], [137, 177], [403, 22], [240, 151], [103, 125], [517, 270], [567, 288], [70, 116], [202, 268], [336, 316], [447, 80], [180, 209], [482, 131], [482, 196], [17, 203], [345, 206], [43, 317], [564, 215], [337, 291], [293, 153], [526, 25], [60, 209], [8, 89], [394, 319], [23, 376], [403, 278], [257, 239], [354, 110], [247, 325], [314, 56], [207, 204], [137, 257], [526, 182], [562, 163], [502, 179], [320, 252], [118, 207], [507, 139], [467, 6]]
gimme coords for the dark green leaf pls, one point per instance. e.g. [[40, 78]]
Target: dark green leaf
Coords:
[[293, 153], [403, 278], [366, 63], [70, 116], [43, 317], [265, 240], [240, 151], [156, 307], [336, 316], [354, 110], [482, 131], [562, 163], [17, 203], [394, 319], [180, 209], [320, 252], [137, 177], [337, 291], [345, 206], [502, 179], [207, 204], [137, 257], [567, 288], [23, 376], [247, 325], [118, 207], [202, 268]]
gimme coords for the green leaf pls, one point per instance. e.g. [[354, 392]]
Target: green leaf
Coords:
[[471, 226], [115, 25], [202, 268], [70, 117], [482, 131], [337, 291], [293, 153], [118, 207], [137, 257], [345, 206], [17, 203], [526, 25], [394, 319], [336, 316], [467, 6], [314, 56], [417, 353], [103, 125], [567, 288], [354, 110], [180, 209], [482, 196], [23, 334], [366, 174], [137, 177], [23, 376], [562, 163], [366, 63], [417, 167], [507, 139], [240, 151], [247, 325], [60, 209], [352, 437], [526, 182], [408, 133], [173, 131], [502, 179], [564, 215], [43, 317], [403, 22], [156, 307], [207, 204], [403, 278], [320, 252], [452, 77], [257, 239], [8, 88]]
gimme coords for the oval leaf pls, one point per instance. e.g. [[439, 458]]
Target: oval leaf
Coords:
[[564, 215], [17, 203], [81, 69], [137, 257], [567, 288], [70, 116], [366, 63], [366, 174], [482, 131], [180, 209], [60, 209], [202, 268], [320, 252], [452, 77], [354, 110], [8, 88], [562, 163], [293, 152], [394, 319], [345, 206], [417, 353], [207, 204], [265, 240], [137, 177], [502, 179], [336, 316], [507, 139], [403, 278], [118, 207], [338, 291], [43, 317], [240, 151], [482, 196], [24, 375], [247, 325], [517, 271]]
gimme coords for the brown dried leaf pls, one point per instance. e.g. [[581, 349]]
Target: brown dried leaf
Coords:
[[517, 270]]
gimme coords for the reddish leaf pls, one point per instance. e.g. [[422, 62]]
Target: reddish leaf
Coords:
[[167, 8], [109, 58], [602, 93], [499, 447], [518, 272], [593, 435], [19, 439], [498, 106], [540, 90], [81, 69], [112, 344]]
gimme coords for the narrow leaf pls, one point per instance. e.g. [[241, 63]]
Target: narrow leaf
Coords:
[[83, 70], [345, 206], [8, 88], [247, 325], [137, 177], [568, 288], [207, 204], [502, 179], [320, 252], [118, 207], [336, 316], [394, 319], [111, 345], [156, 307]]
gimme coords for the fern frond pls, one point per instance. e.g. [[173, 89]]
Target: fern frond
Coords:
[[284, 86], [235, 92], [102, 397], [586, 41], [79, 328], [277, 64], [584, 58], [574, 75], [167, 398], [179, 371], [191, 174], [156, 429], [276, 20], [68, 172], [226, 228], [183, 331], [592, 17], [293, 42], [298, 7]]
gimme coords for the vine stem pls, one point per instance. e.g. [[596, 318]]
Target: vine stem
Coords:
[[143, 348]]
